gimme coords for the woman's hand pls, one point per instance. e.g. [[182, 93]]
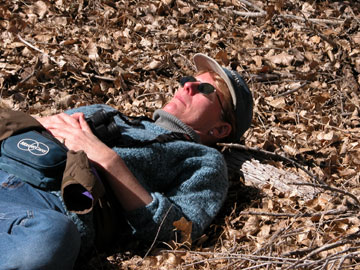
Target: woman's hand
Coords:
[[74, 131], [76, 134]]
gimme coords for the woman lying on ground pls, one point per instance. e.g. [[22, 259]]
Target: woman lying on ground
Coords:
[[154, 172]]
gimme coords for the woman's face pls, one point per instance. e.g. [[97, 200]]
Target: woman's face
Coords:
[[199, 111]]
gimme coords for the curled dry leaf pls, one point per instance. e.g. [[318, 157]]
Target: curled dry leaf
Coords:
[[92, 51], [153, 65], [277, 102], [185, 227], [40, 8], [282, 59]]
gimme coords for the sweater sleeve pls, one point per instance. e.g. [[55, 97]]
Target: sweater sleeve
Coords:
[[198, 199]]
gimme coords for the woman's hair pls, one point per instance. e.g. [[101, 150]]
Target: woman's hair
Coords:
[[227, 104]]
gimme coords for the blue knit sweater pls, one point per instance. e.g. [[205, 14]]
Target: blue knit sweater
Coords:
[[186, 177]]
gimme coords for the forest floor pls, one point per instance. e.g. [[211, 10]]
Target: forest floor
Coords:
[[301, 59]]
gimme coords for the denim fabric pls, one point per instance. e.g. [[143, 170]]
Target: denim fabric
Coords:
[[35, 233]]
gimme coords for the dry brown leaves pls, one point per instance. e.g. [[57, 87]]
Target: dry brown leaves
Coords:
[[301, 60]]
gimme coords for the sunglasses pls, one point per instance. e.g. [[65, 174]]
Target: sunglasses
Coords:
[[203, 88]]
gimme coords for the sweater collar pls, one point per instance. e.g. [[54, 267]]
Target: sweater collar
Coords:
[[170, 122]]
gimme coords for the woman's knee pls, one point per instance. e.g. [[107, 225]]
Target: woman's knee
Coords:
[[55, 241]]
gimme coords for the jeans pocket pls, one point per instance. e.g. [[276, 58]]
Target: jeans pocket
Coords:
[[13, 219]]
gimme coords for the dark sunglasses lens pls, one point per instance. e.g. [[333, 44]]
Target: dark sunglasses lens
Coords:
[[186, 79], [206, 88]]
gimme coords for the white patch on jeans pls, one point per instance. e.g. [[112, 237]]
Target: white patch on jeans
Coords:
[[11, 182]]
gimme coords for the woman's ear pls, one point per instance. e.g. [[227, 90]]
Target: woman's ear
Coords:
[[221, 131]]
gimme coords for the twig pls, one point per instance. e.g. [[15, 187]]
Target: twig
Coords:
[[326, 21], [265, 49], [257, 266], [292, 90], [352, 12], [339, 255], [247, 14], [332, 258], [157, 233], [261, 12], [252, 5], [331, 42], [343, 258], [307, 250], [149, 94], [267, 214], [62, 63], [189, 63], [322, 213], [38, 50], [341, 242], [236, 257], [331, 189], [25, 80], [98, 77], [286, 16], [272, 155], [265, 77], [231, 255], [347, 131], [276, 234]]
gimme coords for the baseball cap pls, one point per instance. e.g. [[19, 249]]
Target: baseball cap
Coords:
[[239, 91]]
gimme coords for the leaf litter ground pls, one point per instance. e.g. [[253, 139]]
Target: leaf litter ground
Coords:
[[301, 60]]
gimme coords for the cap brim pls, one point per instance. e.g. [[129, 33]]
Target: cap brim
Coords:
[[203, 62]]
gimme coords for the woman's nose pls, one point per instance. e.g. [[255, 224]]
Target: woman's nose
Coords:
[[191, 87]]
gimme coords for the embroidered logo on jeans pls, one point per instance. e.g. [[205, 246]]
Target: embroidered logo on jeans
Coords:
[[34, 147]]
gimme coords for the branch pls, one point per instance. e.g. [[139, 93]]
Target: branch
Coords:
[[326, 21], [40, 51], [343, 258], [247, 14], [331, 189], [292, 90], [333, 257], [271, 155], [342, 242], [322, 213]]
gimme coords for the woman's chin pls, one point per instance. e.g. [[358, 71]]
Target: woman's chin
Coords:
[[171, 108]]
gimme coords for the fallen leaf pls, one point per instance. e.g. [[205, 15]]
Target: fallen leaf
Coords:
[[185, 227], [282, 59]]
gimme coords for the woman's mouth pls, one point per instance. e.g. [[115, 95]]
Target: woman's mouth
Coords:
[[180, 98]]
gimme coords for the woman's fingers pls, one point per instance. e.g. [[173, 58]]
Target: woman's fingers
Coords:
[[67, 119], [57, 120], [75, 133], [80, 117]]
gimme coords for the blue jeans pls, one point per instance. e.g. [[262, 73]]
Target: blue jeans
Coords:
[[35, 233]]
